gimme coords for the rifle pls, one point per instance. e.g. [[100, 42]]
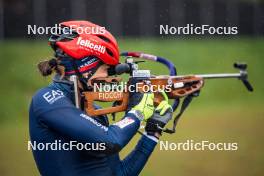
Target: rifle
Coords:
[[181, 86]]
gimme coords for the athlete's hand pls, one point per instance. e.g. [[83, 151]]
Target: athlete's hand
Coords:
[[162, 115], [142, 104]]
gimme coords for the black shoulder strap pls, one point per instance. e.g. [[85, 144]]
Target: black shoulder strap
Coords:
[[184, 105]]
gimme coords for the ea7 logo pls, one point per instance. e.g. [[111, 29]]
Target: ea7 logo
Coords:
[[53, 96]]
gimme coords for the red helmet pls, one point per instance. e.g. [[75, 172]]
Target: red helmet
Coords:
[[86, 39]]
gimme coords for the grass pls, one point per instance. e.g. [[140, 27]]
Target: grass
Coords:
[[224, 112]]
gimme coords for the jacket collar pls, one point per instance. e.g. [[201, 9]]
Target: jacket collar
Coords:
[[64, 85]]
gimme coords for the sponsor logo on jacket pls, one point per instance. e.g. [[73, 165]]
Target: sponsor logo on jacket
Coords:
[[53, 95]]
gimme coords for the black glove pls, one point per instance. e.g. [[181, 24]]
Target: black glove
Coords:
[[160, 118]]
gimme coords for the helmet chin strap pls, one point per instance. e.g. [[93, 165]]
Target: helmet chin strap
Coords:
[[82, 79], [77, 77]]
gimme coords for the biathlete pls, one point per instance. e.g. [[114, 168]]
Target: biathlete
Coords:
[[54, 116]]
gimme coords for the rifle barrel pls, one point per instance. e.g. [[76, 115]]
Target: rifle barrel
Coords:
[[213, 76], [220, 75]]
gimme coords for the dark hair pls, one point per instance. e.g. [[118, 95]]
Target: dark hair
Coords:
[[47, 67]]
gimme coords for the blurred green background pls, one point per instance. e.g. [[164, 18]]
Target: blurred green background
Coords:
[[224, 111]]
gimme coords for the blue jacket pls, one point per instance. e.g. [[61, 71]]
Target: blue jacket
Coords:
[[54, 118]]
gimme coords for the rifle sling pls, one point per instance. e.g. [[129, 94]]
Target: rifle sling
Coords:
[[184, 105]]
